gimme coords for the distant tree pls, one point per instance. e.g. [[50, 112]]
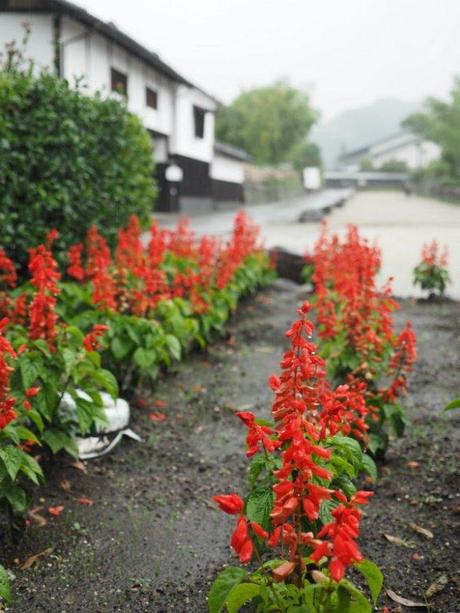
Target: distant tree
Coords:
[[306, 154], [393, 166], [366, 164], [268, 122], [440, 123]]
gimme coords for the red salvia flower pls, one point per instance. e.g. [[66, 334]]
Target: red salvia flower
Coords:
[[91, 341], [306, 411], [45, 275], [75, 268], [7, 402]]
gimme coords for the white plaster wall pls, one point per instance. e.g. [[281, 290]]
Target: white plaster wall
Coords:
[[40, 46], [88, 56], [224, 168], [160, 149], [93, 56], [415, 155], [74, 52], [184, 141]]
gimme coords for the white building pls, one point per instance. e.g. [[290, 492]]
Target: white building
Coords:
[[405, 147], [178, 114]]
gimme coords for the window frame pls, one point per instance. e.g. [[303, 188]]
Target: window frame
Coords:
[[199, 122], [116, 78], [153, 92]]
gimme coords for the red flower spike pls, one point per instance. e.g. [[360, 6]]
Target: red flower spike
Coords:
[[261, 533], [306, 411], [230, 503]]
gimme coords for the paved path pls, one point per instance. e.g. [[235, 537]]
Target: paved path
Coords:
[[220, 222], [399, 223]]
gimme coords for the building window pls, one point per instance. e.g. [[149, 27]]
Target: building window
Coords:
[[119, 82], [151, 98], [198, 119]]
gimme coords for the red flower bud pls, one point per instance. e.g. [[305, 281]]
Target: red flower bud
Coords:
[[230, 503]]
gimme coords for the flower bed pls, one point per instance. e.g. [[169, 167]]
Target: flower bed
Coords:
[[303, 498], [134, 311]]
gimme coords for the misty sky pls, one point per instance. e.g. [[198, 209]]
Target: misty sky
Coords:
[[345, 52]]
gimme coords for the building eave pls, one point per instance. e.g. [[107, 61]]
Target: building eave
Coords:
[[232, 152]]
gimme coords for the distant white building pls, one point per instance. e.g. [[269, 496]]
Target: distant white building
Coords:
[[405, 147], [178, 114]]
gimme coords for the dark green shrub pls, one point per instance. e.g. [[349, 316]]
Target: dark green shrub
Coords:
[[67, 161]]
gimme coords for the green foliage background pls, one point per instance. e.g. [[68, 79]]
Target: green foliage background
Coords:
[[440, 123], [271, 123], [67, 161]]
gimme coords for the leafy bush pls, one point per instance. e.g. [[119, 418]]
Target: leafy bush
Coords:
[[66, 161]]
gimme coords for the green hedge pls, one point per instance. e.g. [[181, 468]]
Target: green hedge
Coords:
[[67, 161]]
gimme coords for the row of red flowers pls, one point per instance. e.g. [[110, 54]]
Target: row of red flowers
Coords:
[[136, 308], [303, 501], [356, 329]]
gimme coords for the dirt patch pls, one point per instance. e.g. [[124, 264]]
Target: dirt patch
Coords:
[[151, 541]]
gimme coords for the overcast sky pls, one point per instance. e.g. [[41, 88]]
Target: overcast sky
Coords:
[[345, 52]]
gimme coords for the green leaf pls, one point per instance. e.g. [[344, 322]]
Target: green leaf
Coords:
[[85, 413], [222, 587], [31, 468], [174, 346], [259, 505], [58, 440], [95, 358], [310, 592], [377, 441], [70, 358], [257, 465], [341, 465], [43, 347], [12, 459], [350, 446], [369, 466], [373, 576], [11, 432], [120, 347], [359, 603], [325, 510], [26, 435], [107, 380], [36, 418], [144, 358], [5, 590], [16, 496], [455, 404], [29, 372], [240, 594]]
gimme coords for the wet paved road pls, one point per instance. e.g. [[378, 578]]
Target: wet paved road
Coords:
[[399, 223]]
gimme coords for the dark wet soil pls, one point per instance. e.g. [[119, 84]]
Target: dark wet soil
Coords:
[[151, 540]]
